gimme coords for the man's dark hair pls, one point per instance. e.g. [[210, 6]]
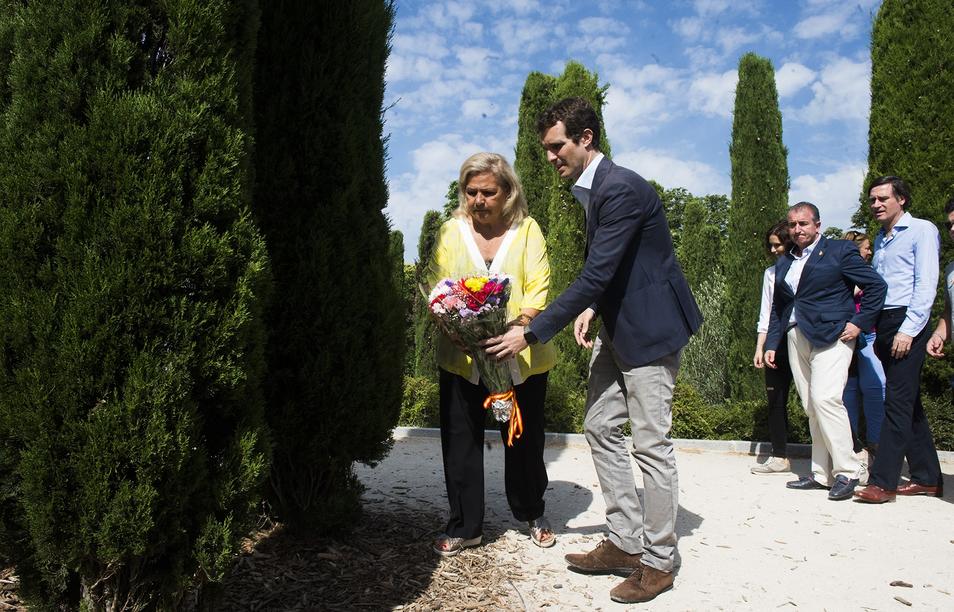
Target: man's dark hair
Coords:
[[816, 217], [899, 188], [576, 115], [949, 207]]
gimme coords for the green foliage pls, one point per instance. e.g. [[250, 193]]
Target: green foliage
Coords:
[[911, 133], [336, 324], [759, 194], [420, 406], [536, 174], [833, 232], [425, 332], [940, 414], [131, 415], [700, 246], [704, 364], [695, 418]]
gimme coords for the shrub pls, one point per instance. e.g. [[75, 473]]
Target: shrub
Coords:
[[131, 414]]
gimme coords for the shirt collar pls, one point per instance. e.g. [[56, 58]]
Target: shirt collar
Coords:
[[903, 222], [586, 179]]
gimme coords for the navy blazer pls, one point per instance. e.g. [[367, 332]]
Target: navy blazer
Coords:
[[630, 275], [825, 294]]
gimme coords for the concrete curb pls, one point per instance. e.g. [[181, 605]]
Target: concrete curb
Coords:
[[740, 447]]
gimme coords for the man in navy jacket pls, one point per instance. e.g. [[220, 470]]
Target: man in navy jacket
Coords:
[[813, 310], [632, 280]]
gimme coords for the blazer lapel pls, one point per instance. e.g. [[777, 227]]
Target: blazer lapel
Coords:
[[781, 270]]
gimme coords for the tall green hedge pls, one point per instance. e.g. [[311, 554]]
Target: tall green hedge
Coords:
[[530, 163], [759, 198], [911, 133], [336, 324], [131, 275]]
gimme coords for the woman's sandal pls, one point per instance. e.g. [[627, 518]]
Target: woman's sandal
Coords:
[[447, 546], [541, 533]]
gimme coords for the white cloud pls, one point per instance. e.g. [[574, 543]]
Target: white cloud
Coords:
[[817, 26], [791, 78], [689, 27], [731, 39], [478, 108], [713, 93], [710, 7], [405, 68], [425, 43], [834, 17], [843, 91], [835, 194], [522, 37], [670, 170], [639, 99]]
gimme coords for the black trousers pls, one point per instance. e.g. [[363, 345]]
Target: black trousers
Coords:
[[777, 384], [905, 432], [462, 443]]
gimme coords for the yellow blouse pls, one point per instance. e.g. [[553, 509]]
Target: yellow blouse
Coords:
[[523, 256]]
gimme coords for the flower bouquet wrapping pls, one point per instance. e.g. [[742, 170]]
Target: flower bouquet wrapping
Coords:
[[471, 309]]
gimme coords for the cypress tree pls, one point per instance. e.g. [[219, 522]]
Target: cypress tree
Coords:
[[700, 244], [425, 358], [336, 331], [759, 195], [704, 360], [530, 163], [911, 133], [131, 416], [566, 239]]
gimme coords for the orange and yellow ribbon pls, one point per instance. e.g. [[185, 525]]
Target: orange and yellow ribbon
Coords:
[[516, 419]]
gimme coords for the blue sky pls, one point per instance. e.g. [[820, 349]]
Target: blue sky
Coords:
[[456, 71]]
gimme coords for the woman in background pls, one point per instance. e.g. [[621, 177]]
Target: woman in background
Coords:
[[865, 384], [778, 381]]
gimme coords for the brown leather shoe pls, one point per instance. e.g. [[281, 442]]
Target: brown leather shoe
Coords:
[[606, 558], [642, 585], [913, 488], [873, 494]]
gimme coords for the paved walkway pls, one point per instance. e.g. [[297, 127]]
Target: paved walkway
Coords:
[[746, 542]]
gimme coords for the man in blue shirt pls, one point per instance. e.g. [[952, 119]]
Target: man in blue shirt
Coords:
[[906, 255]]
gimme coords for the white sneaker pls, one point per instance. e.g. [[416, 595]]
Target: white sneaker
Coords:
[[774, 465]]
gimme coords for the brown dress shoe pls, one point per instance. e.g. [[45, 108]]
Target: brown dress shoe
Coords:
[[642, 585], [606, 558], [913, 488], [873, 494]]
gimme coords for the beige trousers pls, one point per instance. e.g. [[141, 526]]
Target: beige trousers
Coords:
[[820, 375]]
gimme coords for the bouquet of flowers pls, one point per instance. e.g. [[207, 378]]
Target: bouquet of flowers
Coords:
[[471, 309]]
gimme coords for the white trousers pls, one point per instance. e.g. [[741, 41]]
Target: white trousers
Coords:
[[820, 375]]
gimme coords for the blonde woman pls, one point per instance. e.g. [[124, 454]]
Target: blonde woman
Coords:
[[491, 231]]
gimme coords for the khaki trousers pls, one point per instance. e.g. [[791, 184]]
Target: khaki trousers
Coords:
[[643, 396], [820, 375]]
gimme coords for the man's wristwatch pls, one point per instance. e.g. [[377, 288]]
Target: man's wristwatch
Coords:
[[528, 336]]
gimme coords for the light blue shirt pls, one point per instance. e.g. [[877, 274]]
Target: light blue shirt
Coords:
[[907, 259], [581, 189]]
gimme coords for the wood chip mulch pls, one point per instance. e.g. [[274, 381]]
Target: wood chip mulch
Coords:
[[8, 590], [386, 563]]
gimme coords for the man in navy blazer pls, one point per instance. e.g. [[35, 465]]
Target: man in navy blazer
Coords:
[[632, 280], [814, 309]]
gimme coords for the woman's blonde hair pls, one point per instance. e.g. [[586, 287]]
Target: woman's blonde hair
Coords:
[[515, 207], [856, 237]]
